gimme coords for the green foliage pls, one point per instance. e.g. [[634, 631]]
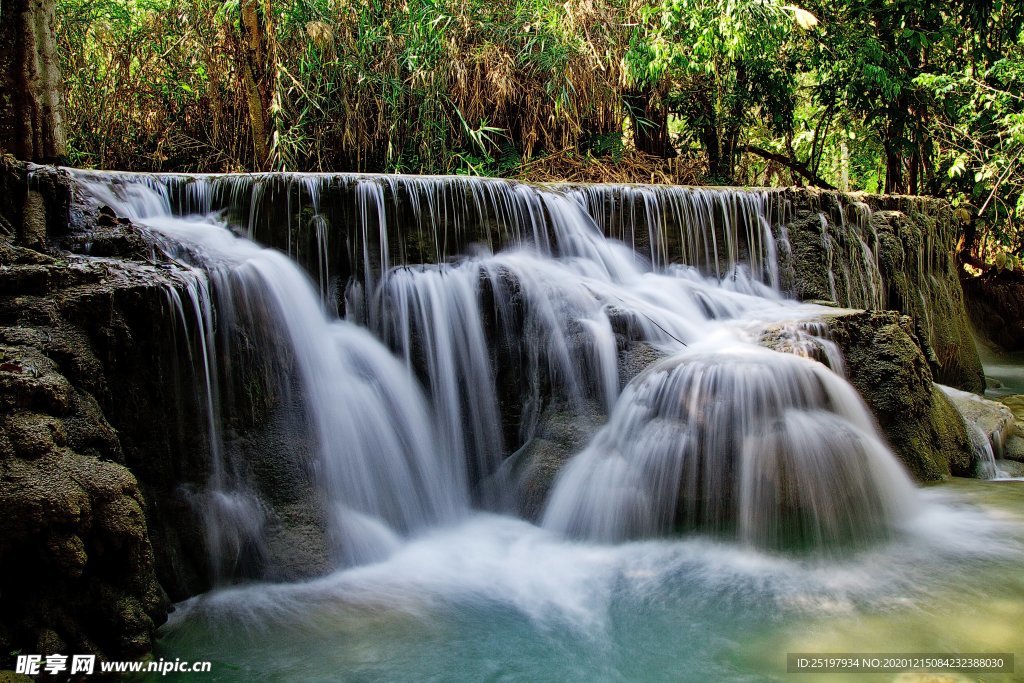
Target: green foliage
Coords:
[[728, 67], [421, 85], [983, 140]]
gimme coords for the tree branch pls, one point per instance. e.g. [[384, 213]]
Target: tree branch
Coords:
[[795, 166]]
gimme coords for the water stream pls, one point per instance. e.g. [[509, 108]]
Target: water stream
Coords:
[[499, 599], [732, 503]]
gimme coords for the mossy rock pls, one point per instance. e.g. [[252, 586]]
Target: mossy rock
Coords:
[[886, 365], [914, 272]]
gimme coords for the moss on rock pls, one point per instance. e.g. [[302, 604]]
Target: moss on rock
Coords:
[[77, 571], [882, 253], [886, 365]]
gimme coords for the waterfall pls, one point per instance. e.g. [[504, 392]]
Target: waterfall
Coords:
[[771, 448], [423, 325], [375, 450]]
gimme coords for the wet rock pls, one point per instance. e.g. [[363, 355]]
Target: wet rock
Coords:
[[635, 358], [886, 365], [1015, 403], [992, 419], [77, 571], [109, 236], [822, 258], [297, 542], [1010, 468], [562, 432], [1013, 449]]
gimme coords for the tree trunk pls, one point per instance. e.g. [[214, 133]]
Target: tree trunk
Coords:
[[894, 143], [650, 123], [894, 178], [31, 103], [844, 164], [255, 71]]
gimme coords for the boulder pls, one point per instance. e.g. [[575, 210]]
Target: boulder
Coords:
[[1013, 448], [1010, 468], [562, 432], [885, 363], [992, 419]]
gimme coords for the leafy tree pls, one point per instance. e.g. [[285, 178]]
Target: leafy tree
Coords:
[[980, 129], [727, 65]]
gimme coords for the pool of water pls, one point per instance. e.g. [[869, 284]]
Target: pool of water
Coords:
[[498, 599], [1004, 367]]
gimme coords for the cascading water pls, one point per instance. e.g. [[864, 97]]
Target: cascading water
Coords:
[[377, 458], [771, 448], [453, 317], [764, 446]]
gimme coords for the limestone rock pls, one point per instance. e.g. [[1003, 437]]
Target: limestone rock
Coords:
[[823, 237], [77, 571], [1010, 468], [997, 307], [994, 420], [1013, 449], [562, 432], [887, 367]]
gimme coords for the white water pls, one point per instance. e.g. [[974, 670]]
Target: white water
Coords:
[[799, 527], [772, 448], [499, 599], [377, 457], [723, 436]]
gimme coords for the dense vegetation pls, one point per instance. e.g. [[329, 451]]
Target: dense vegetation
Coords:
[[908, 96]]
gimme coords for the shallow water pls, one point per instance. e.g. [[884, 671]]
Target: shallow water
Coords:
[[496, 598], [1006, 368]]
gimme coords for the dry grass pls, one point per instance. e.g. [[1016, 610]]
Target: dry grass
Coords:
[[478, 86], [631, 167]]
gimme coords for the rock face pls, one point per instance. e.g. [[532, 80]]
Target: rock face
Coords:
[[859, 251], [562, 432], [886, 364], [996, 307], [77, 570], [883, 253], [105, 449]]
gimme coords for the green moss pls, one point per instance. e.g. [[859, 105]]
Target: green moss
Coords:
[[913, 241], [888, 368]]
